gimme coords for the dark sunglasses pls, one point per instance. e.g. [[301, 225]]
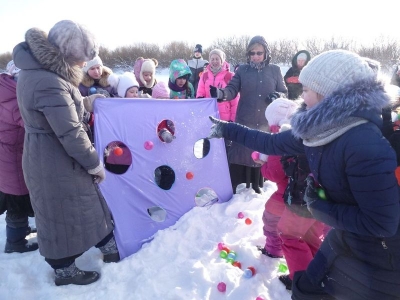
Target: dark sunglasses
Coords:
[[259, 53]]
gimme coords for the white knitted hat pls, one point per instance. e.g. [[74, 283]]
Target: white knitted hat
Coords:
[[302, 56], [280, 111], [91, 63], [332, 70], [12, 68], [219, 52], [122, 82]]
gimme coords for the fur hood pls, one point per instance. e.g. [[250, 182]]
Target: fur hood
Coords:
[[361, 100], [45, 56], [89, 81]]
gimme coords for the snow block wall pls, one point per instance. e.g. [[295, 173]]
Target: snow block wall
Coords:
[[149, 183]]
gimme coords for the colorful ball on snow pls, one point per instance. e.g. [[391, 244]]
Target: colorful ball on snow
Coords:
[[223, 254], [221, 246], [118, 151], [248, 221], [282, 268], [249, 272], [240, 215], [148, 145], [237, 264], [232, 255], [225, 248], [221, 287]]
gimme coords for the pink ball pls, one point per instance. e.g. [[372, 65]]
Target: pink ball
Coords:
[[221, 287], [240, 215], [148, 145], [255, 155], [221, 246], [260, 298]]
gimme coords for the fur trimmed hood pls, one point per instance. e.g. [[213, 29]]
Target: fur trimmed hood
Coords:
[[361, 100], [37, 53], [89, 81]]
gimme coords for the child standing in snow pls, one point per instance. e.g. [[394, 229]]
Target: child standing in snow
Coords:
[[179, 73], [277, 114]]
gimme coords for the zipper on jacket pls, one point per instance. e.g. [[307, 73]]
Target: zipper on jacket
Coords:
[[384, 244]]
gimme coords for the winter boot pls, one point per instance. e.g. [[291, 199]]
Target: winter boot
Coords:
[[265, 252], [110, 251], [285, 279], [16, 241], [31, 230], [20, 248], [73, 275]]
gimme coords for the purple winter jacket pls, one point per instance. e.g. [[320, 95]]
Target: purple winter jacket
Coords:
[[11, 139]]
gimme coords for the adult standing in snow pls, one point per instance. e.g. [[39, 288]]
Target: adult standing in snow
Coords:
[[61, 167], [196, 65], [339, 131], [295, 88], [259, 83], [14, 195]]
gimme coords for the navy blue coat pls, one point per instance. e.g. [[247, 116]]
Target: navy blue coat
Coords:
[[361, 253]]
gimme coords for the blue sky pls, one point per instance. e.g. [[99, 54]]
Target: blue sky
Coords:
[[118, 23]]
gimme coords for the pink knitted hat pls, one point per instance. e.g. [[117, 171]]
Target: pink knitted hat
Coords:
[[161, 91]]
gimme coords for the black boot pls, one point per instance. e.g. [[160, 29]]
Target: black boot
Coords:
[[16, 241], [286, 281], [20, 248], [31, 230], [73, 275], [110, 251]]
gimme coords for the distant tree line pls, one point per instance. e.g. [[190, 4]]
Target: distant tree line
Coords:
[[384, 50]]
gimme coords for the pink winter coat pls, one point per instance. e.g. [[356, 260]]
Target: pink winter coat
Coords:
[[11, 139], [227, 109], [273, 171]]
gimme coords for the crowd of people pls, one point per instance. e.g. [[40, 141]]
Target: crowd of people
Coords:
[[318, 129]]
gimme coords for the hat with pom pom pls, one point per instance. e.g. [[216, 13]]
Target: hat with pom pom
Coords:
[[198, 48], [161, 91], [123, 82], [334, 69], [279, 111]]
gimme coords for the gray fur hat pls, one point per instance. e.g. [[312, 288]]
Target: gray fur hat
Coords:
[[74, 41], [335, 69]]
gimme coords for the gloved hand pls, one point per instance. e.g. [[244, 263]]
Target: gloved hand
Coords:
[[271, 97], [311, 193], [166, 135], [217, 129], [217, 93], [99, 176], [89, 100]]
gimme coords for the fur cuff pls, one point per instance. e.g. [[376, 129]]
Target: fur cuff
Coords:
[[95, 170]]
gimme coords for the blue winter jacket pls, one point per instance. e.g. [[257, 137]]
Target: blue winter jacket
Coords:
[[355, 165]]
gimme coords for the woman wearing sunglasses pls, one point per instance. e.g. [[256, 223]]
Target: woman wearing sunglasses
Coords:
[[258, 83]]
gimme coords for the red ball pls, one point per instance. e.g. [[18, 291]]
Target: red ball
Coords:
[[253, 270], [248, 221], [189, 175], [237, 264], [118, 151], [226, 249]]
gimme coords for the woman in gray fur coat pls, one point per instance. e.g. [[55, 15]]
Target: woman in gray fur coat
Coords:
[[61, 167]]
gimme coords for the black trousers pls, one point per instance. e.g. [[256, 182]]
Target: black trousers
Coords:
[[240, 174], [67, 261]]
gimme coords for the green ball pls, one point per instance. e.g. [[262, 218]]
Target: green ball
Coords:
[[321, 194], [223, 254]]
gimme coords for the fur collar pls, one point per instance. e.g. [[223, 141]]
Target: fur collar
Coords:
[[50, 57], [89, 81], [361, 100]]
